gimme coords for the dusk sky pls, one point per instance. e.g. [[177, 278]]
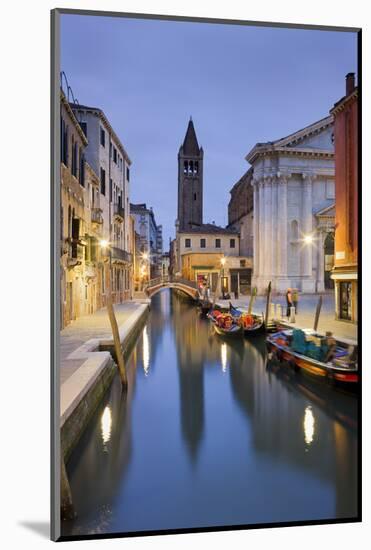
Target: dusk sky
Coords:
[[241, 85]]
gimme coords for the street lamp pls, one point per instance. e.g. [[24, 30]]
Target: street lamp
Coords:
[[222, 261], [308, 239]]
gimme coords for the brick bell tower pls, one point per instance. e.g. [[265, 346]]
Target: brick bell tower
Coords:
[[190, 181]]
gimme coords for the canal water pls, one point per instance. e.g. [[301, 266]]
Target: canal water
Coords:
[[209, 435]]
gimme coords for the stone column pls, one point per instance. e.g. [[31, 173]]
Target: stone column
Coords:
[[321, 260], [268, 227], [274, 237], [256, 251], [307, 251], [261, 229], [282, 233]]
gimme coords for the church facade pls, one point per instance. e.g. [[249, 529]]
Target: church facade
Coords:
[[293, 220]]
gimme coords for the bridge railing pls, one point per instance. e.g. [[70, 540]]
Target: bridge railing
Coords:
[[170, 279]]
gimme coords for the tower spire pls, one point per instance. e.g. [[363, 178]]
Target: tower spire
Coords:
[[190, 144]]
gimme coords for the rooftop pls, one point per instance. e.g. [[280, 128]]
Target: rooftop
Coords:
[[210, 228]]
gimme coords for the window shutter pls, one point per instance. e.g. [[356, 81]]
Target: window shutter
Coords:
[[66, 145]]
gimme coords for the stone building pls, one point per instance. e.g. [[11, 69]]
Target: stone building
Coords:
[[190, 180], [210, 252], [345, 272], [108, 158], [293, 185], [82, 224], [148, 243], [165, 264], [241, 212]]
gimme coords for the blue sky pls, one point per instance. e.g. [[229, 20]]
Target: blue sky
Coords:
[[241, 85]]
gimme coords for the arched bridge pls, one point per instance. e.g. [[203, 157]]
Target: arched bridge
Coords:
[[170, 281]]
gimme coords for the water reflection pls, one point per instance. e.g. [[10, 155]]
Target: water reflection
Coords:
[[106, 423], [145, 351], [210, 433], [223, 355], [308, 425]]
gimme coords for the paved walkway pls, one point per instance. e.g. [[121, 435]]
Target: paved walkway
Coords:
[[87, 327], [306, 312]]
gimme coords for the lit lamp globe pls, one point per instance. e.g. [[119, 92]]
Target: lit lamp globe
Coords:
[[103, 243]]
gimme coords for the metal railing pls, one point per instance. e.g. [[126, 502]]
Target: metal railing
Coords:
[[97, 215], [119, 254], [119, 211], [166, 279]]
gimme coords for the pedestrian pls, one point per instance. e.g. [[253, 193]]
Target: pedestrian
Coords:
[[295, 299], [288, 302], [331, 346], [208, 293]]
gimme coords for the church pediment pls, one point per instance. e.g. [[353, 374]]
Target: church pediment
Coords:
[[315, 139], [316, 136]]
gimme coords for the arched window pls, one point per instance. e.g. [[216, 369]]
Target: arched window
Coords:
[[185, 170], [195, 170], [294, 230], [190, 170]]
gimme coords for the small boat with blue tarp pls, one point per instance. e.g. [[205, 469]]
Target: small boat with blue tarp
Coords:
[[314, 354]]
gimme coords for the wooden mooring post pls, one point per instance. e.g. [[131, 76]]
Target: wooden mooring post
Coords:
[[115, 331], [268, 304], [252, 298], [318, 311]]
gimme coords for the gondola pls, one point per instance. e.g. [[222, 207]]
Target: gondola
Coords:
[[204, 307], [341, 370], [258, 327], [233, 330]]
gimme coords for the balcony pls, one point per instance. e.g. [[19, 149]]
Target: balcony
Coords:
[[118, 212], [117, 254], [76, 252], [97, 215]]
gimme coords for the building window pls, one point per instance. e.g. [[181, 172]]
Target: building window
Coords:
[[128, 174], [294, 230], [203, 243], [102, 137], [74, 158], [64, 142], [82, 169], [195, 196], [345, 300], [102, 181], [242, 263], [232, 243], [84, 128], [188, 243], [110, 189], [217, 243], [115, 155], [185, 170]]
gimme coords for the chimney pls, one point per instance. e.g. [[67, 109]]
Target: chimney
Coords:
[[349, 86]]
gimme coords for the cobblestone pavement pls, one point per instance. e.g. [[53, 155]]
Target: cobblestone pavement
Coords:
[[83, 329], [306, 312]]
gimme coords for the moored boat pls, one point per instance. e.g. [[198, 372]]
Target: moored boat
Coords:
[[342, 368], [204, 307], [224, 323], [251, 324]]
